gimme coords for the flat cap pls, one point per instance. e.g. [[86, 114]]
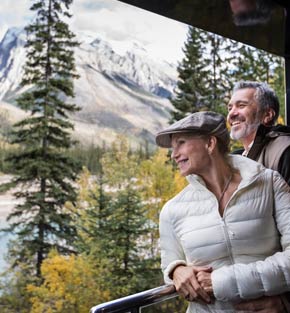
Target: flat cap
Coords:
[[206, 123]]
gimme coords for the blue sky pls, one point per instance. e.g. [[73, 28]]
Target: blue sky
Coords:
[[113, 20]]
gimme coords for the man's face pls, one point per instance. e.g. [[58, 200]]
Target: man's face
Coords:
[[242, 6], [244, 115]]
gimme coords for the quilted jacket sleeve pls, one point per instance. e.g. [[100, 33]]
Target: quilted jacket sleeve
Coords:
[[171, 250], [262, 278]]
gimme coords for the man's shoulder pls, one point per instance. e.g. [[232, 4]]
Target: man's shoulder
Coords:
[[278, 131], [274, 137], [275, 148], [278, 140], [281, 128]]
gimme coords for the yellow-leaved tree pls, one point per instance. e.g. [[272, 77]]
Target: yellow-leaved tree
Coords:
[[159, 182], [70, 284]]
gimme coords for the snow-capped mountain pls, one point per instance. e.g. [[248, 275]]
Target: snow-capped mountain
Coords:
[[12, 58], [121, 89]]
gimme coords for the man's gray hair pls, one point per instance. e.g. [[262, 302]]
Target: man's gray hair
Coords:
[[264, 95]]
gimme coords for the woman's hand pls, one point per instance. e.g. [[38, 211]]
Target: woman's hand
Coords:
[[204, 279], [187, 285]]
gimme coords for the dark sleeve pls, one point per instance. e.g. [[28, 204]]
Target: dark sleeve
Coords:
[[284, 165], [238, 151]]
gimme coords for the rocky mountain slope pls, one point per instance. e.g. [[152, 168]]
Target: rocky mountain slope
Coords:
[[121, 89]]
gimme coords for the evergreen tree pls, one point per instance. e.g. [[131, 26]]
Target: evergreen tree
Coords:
[[278, 85], [95, 219], [253, 64], [114, 228], [244, 68], [44, 173], [129, 234], [193, 74], [219, 56], [204, 74], [127, 227], [211, 66]]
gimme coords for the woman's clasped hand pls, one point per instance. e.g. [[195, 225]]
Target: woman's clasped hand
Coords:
[[193, 282]]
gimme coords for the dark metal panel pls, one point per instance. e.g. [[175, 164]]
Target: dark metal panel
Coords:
[[216, 16]]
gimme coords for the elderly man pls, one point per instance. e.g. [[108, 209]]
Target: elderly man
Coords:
[[252, 113]]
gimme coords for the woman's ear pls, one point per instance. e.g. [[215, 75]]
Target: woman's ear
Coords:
[[211, 144], [268, 117]]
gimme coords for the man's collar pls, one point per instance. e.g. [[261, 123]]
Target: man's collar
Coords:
[[246, 151]]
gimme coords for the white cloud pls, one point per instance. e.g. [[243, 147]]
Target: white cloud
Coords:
[[118, 21], [14, 13], [113, 20]]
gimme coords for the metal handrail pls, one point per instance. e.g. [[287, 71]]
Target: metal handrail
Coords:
[[133, 303]]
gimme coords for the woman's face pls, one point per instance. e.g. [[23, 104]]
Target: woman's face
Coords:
[[190, 153]]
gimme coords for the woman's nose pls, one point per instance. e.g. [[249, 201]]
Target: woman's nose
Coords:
[[173, 153]]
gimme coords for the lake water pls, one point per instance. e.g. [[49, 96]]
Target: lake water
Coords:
[[4, 238], [7, 203]]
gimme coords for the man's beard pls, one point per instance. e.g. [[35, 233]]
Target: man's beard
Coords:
[[245, 130]]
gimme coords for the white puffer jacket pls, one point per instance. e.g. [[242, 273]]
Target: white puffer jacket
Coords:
[[243, 247]]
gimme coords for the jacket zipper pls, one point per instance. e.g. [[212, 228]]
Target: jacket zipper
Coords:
[[225, 227], [228, 241]]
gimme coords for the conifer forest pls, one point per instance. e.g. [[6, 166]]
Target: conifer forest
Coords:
[[85, 229]]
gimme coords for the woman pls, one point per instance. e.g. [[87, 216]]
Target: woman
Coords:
[[223, 235]]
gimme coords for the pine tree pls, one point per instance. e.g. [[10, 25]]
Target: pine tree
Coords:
[[129, 235], [127, 227], [93, 233], [278, 84], [253, 64], [219, 58], [204, 74], [44, 173], [193, 73], [114, 228]]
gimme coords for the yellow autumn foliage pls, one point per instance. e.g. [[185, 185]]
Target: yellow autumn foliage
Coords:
[[280, 120], [159, 182], [69, 285]]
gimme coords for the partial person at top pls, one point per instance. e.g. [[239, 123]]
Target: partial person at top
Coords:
[[251, 12], [252, 113], [226, 236]]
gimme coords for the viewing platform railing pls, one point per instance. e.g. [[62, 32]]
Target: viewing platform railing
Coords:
[[134, 303]]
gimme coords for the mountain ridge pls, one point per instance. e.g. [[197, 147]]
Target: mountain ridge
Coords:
[[123, 92]]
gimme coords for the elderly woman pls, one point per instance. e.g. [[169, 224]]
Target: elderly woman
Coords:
[[226, 236]]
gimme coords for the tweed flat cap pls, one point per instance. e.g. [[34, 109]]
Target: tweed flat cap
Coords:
[[205, 123]]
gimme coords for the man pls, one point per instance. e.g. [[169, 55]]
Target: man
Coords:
[[251, 12], [252, 113]]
